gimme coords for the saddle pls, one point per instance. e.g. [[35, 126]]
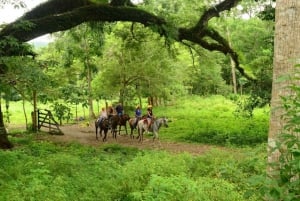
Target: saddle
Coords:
[[145, 121]]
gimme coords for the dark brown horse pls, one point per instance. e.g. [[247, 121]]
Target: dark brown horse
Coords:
[[103, 126], [118, 121]]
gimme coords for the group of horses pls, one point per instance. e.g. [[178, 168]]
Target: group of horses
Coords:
[[141, 124]]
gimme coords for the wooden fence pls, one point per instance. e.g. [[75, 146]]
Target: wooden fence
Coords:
[[46, 120]]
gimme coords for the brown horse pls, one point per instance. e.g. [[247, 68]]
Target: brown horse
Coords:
[[103, 126], [132, 124], [118, 121]]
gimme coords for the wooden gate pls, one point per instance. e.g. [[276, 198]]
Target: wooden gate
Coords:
[[45, 119]]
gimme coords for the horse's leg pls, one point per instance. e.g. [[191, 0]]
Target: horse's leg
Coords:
[[105, 134], [142, 137], [155, 135], [131, 133], [139, 133], [96, 132], [125, 128], [114, 132], [120, 129], [100, 132]]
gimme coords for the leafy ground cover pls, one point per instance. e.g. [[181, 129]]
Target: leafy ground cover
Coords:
[[213, 120], [43, 170], [40, 168]]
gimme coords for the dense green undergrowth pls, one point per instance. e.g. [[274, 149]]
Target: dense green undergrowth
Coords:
[[41, 170], [213, 120]]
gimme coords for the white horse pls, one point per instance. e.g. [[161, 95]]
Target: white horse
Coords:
[[142, 126]]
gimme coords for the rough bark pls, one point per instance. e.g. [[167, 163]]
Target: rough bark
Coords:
[[4, 142], [286, 55]]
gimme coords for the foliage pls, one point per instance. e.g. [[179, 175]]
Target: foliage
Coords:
[[258, 61], [246, 105], [15, 3], [177, 12], [137, 65], [45, 171], [284, 184], [61, 111], [212, 120], [205, 77]]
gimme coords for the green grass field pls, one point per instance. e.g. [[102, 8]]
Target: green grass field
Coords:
[[192, 119]]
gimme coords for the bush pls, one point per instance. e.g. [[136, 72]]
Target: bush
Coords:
[[45, 171]]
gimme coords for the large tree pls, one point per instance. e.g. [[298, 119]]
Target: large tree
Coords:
[[286, 56]]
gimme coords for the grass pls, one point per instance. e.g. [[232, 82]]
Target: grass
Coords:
[[195, 119], [41, 170]]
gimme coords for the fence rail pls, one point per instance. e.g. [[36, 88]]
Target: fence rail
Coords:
[[46, 120]]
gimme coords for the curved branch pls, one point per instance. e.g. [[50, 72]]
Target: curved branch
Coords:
[[104, 13], [215, 11]]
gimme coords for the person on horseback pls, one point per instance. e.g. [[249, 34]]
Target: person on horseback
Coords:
[[138, 114], [103, 115], [119, 109], [149, 115], [110, 113]]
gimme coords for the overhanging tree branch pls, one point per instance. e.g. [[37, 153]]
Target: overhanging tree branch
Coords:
[[55, 15]]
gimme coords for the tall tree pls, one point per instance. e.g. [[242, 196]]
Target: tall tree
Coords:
[[4, 142], [136, 64], [86, 45], [286, 56]]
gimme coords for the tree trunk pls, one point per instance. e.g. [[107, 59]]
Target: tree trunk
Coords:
[[24, 111], [4, 142], [286, 55], [234, 86], [90, 98], [34, 113]]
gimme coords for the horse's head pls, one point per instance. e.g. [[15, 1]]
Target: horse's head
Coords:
[[125, 117], [165, 122]]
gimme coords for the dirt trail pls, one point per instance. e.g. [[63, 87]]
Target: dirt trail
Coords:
[[86, 136]]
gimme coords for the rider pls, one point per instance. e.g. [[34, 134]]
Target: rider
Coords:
[[119, 109], [149, 115], [103, 115], [138, 114], [110, 113]]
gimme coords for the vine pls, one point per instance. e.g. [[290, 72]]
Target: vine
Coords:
[[286, 184]]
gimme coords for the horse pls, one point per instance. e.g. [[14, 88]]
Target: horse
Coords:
[[104, 126], [132, 124], [142, 126], [118, 121]]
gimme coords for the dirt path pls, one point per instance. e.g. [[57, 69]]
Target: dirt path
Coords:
[[86, 136]]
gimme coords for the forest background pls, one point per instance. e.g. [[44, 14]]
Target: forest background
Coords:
[[126, 62]]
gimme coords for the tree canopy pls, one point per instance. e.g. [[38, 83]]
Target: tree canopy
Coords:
[[56, 15]]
